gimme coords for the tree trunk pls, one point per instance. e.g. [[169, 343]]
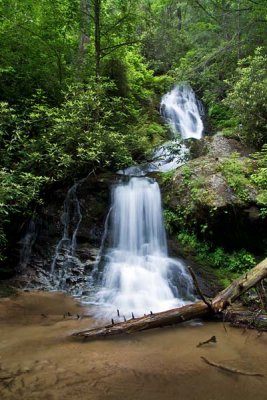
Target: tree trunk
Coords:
[[84, 26], [185, 313], [179, 18], [240, 286], [97, 10]]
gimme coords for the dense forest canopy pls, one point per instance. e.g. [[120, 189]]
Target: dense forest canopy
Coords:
[[80, 83]]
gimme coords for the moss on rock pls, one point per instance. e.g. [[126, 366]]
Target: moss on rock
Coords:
[[215, 196]]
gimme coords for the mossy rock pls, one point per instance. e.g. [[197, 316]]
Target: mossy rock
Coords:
[[214, 196]]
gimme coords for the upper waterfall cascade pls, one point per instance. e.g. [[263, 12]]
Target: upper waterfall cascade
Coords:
[[182, 112]]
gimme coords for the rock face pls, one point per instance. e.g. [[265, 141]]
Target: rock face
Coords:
[[42, 240], [42, 235], [218, 146], [213, 193]]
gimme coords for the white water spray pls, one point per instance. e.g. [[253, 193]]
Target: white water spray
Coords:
[[181, 110], [138, 276]]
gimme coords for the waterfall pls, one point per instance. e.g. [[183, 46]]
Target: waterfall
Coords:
[[182, 110], [64, 255], [27, 243], [138, 275]]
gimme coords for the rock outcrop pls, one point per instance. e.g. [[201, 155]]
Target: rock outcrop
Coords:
[[44, 231], [214, 195]]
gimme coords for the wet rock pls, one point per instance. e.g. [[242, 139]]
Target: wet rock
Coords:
[[218, 146], [71, 271]]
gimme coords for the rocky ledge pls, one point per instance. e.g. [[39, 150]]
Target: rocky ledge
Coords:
[[214, 196]]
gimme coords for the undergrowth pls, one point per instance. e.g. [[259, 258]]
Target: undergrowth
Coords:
[[236, 262]]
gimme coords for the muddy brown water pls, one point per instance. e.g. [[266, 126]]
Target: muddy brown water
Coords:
[[39, 359]]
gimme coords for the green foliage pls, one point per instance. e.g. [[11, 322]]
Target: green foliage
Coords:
[[248, 98], [170, 218], [235, 262], [166, 177], [220, 116], [91, 129], [259, 177], [38, 42], [190, 189]]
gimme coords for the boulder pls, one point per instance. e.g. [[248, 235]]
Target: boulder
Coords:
[[210, 196]]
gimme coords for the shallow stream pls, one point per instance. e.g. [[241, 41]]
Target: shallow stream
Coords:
[[39, 359]]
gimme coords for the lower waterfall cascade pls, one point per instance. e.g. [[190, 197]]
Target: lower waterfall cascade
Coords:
[[138, 276]]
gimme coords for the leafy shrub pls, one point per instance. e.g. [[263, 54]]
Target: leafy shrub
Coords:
[[235, 262], [90, 129], [259, 177], [248, 98]]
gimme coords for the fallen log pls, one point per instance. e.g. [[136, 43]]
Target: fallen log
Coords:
[[240, 286], [150, 321], [185, 313]]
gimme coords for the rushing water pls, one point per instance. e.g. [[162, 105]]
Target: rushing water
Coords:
[[182, 112], [138, 275]]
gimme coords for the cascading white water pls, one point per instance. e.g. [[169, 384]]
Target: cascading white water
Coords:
[[181, 110], [138, 276], [66, 247]]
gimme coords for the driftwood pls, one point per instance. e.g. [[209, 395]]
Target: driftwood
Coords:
[[247, 319], [185, 313], [230, 369], [211, 340]]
